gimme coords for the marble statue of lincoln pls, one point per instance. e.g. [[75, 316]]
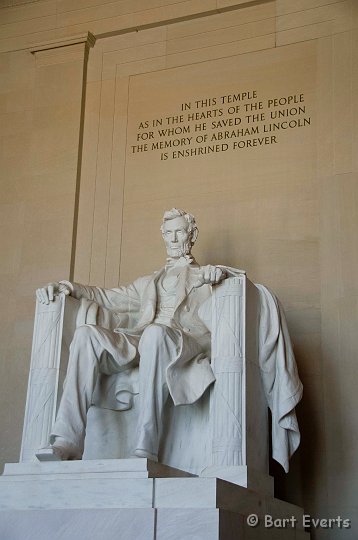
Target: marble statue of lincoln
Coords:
[[159, 330]]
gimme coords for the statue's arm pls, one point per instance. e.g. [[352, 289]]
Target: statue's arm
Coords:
[[121, 298], [124, 298]]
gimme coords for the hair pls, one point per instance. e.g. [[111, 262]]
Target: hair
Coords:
[[176, 212]]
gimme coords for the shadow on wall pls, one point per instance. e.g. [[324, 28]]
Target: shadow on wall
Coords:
[[302, 486]]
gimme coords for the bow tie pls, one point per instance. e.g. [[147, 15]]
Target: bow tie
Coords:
[[182, 261]]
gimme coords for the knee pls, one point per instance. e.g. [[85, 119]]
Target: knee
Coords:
[[83, 348], [83, 334], [153, 335]]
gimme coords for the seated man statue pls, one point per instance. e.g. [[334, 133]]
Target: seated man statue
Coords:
[[158, 329]]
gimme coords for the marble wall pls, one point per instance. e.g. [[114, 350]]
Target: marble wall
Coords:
[[76, 191]]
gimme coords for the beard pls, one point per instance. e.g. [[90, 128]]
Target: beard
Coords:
[[181, 251]]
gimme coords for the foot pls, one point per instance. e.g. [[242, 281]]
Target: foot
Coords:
[[58, 453], [139, 452]]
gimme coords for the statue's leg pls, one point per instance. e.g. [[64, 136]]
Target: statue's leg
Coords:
[[81, 378], [85, 362], [158, 346]]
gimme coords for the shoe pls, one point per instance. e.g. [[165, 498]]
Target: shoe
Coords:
[[57, 453], [139, 452]]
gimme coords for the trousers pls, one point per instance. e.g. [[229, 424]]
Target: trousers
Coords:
[[97, 350]]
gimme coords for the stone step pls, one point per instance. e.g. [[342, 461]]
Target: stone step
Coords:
[[242, 476], [137, 524], [133, 468], [60, 492], [121, 468], [214, 492]]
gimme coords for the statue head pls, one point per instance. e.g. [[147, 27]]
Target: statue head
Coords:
[[179, 231]]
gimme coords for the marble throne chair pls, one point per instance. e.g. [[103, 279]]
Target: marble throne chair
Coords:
[[224, 434]]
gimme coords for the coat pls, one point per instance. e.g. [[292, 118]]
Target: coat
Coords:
[[131, 309]]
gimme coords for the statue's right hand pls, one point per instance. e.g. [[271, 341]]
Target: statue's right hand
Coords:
[[47, 294]]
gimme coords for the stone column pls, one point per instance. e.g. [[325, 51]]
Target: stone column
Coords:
[[58, 119]]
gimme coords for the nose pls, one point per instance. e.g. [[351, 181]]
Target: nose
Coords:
[[174, 237]]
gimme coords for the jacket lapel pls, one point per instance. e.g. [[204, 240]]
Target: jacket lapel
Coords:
[[181, 287], [149, 300], [187, 278]]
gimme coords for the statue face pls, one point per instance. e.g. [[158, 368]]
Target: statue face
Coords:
[[176, 237]]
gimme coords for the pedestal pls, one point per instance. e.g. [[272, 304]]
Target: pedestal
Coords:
[[132, 499]]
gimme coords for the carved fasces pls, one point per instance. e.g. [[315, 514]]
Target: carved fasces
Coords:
[[228, 331], [45, 374]]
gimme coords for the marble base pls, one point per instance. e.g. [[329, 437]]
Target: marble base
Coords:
[[113, 468], [132, 499], [105, 524], [242, 476]]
